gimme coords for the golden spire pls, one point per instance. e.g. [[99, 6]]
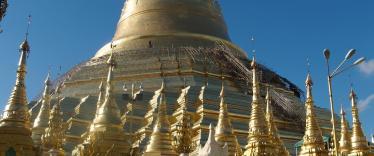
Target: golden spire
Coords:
[[345, 137], [273, 131], [108, 114], [16, 112], [259, 141], [106, 135], [224, 133], [41, 121], [100, 100], [161, 141], [183, 142], [359, 142], [313, 142], [15, 133], [224, 124], [54, 135]]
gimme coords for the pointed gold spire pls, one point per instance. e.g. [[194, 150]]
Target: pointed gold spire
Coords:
[[345, 136], [108, 114], [259, 141], [16, 111], [53, 138], [313, 142], [273, 131], [223, 127], [41, 121], [15, 130], [106, 132], [359, 142], [100, 100], [224, 132], [161, 141]]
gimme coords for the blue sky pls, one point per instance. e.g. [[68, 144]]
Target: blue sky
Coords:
[[287, 33]]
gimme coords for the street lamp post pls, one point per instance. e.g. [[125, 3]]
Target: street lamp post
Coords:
[[330, 76]]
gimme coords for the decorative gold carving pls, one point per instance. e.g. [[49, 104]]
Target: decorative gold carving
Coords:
[[53, 138], [182, 142]]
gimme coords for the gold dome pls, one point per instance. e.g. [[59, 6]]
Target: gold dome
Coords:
[[170, 16], [169, 23]]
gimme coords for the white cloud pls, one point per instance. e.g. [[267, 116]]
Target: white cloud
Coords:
[[363, 104], [367, 67]]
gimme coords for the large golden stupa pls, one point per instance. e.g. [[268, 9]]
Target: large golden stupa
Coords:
[[185, 45]]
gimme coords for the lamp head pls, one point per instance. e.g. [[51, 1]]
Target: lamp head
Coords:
[[326, 52], [350, 54], [359, 61]]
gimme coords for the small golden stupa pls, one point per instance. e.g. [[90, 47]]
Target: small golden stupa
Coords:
[[224, 133], [313, 144], [41, 120], [15, 132], [259, 140], [106, 135], [160, 143], [345, 144], [360, 145]]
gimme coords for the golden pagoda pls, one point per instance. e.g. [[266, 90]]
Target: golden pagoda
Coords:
[[345, 144], [15, 130], [259, 141], [313, 144], [224, 133], [106, 136], [176, 40], [273, 131], [359, 143], [160, 143], [52, 139], [41, 121]]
